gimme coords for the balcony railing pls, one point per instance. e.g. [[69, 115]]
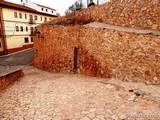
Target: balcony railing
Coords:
[[79, 4], [33, 31]]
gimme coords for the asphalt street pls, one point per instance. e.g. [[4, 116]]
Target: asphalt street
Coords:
[[20, 58]]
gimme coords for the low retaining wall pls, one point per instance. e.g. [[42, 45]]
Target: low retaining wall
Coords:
[[9, 78]]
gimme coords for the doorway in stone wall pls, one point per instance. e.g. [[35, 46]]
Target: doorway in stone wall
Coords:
[[75, 59]]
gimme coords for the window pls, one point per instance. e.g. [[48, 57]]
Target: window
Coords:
[[35, 17], [17, 29], [20, 15], [26, 40], [27, 29], [32, 40], [45, 19], [32, 30], [50, 18], [25, 16], [46, 10], [31, 17], [52, 11], [15, 15], [42, 9], [21, 28], [0, 44], [41, 19]]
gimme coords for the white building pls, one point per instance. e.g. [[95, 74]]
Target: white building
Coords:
[[17, 26], [39, 7]]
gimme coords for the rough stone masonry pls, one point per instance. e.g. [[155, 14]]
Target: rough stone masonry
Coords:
[[8, 75], [66, 45], [141, 14]]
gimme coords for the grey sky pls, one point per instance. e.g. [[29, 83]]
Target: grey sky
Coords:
[[60, 5]]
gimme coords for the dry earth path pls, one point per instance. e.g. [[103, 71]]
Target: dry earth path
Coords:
[[41, 95]]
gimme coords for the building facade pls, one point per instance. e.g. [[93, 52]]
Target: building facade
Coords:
[[39, 7], [17, 26]]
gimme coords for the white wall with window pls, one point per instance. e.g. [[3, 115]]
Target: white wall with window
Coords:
[[38, 7], [18, 27]]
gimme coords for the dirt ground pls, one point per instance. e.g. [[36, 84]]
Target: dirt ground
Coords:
[[41, 95]]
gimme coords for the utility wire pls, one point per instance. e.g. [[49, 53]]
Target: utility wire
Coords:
[[19, 37]]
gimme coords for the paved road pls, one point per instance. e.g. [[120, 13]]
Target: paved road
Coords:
[[41, 95], [20, 58]]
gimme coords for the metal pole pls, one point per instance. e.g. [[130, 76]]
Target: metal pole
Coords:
[[87, 2], [81, 3]]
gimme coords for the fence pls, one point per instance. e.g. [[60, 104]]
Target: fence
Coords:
[[79, 4]]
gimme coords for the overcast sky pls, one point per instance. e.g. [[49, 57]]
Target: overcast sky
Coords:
[[60, 5]]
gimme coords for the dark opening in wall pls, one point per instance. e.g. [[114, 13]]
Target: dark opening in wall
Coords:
[[20, 15], [27, 29], [32, 40], [45, 19], [15, 15], [17, 29], [26, 40], [21, 28], [75, 59], [91, 4], [25, 16]]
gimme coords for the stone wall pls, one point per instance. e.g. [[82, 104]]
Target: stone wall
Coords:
[[101, 52], [54, 49], [8, 79], [143, 14], [128, 56]]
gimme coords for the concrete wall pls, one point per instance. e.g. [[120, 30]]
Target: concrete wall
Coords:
[[101, 52]]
